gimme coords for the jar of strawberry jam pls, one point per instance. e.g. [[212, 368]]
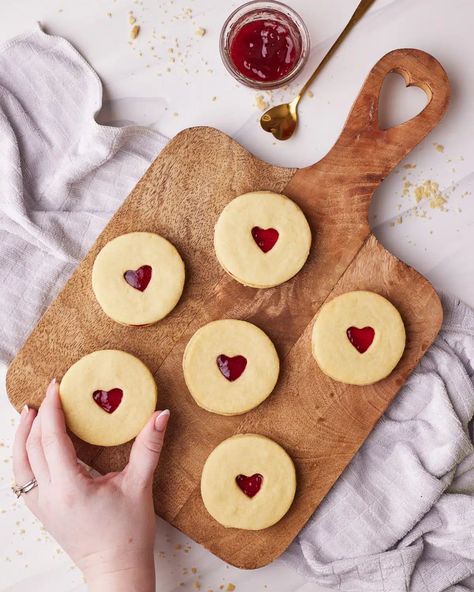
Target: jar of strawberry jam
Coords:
[[264, 44]]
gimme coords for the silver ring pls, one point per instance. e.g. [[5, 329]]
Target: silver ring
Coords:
[[20, 489]]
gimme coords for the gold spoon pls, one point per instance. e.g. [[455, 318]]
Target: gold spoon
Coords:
[[281, 120]]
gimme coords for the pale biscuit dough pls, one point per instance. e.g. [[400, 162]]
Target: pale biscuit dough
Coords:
[[106, 370], [248, 454], [210, 389], [125, 304], [335, 354], [239, 254]]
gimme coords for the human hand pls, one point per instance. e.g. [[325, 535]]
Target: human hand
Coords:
[[105, 524]]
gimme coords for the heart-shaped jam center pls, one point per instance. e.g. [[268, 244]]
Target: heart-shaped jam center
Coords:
[[265, 237], [249, 485], [108, 400], [231, 368], [138, 278], [361, 339]]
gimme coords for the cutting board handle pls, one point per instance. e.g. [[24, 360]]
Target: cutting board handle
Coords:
[[380, 150]]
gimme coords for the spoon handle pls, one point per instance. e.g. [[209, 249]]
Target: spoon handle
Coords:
[[361, 9]]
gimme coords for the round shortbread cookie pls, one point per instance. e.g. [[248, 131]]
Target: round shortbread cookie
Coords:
[[230, 366], [262, 239], [249, 482], [107, 397], [138, 278], [358, 338]]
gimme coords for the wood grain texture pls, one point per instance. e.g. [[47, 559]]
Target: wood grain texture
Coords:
[[320, 422]]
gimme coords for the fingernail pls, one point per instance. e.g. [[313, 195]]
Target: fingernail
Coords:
[[25, 410], [50, 386], [162, 420]]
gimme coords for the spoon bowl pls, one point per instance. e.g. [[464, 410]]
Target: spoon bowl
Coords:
[[281, 120]]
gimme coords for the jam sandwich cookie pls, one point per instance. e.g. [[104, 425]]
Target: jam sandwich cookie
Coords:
[[249, 482], [230, 366], [107, 397], [262, 239], [138, 278], [358, 338]]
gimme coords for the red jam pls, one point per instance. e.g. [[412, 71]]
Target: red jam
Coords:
[[249, 485], [231, 368], [265, 237], [108, 400], [139, 278], [265, 50], [361, 339]]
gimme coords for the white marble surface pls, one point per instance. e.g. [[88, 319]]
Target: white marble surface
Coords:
[[143, 85]]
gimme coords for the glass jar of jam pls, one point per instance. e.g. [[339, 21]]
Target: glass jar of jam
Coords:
[[264, 44]]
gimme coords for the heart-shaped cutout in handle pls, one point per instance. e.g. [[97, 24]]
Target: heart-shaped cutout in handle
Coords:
[[250, 485], [265, 238], [108, 400], [139, 278], [361, 339], [399, 102], [231, 367]]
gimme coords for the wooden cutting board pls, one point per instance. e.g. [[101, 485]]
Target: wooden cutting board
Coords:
[[321, 423]]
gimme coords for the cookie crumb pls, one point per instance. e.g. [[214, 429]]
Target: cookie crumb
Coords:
[[230, 587], [261, 103], [438, 147], [431, 191], [200, 32], [437, 202], [310, 94], [135, 31], [132, 20], [406, 188]]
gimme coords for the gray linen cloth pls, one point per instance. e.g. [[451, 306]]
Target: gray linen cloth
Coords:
[[401, 517], [62, 175]]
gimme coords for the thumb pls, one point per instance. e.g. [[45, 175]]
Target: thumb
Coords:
[[146, 449]]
